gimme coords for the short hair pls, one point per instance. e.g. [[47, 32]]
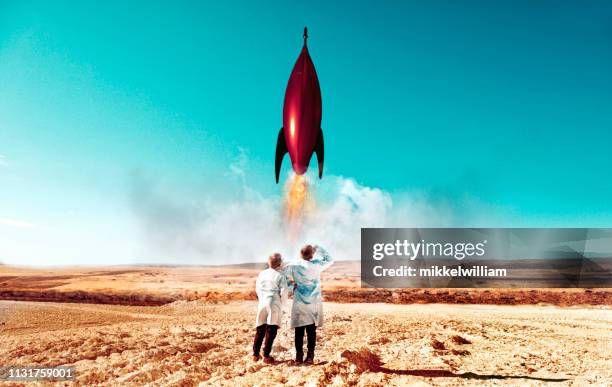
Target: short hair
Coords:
[[307, 252], [275, 260]]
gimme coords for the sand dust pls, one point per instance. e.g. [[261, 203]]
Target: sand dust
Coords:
[[190, 343]]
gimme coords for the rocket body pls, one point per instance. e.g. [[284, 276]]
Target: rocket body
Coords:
[[301, 134]]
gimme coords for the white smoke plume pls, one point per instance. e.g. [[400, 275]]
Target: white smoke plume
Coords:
[[250, 226]]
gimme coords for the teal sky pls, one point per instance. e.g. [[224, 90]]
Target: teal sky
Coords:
[[507, 102]]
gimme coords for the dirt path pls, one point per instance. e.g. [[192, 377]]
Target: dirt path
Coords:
[[191, 343]]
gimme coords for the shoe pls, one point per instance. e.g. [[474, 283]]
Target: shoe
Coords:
[[309, 358], [299, 357], [268, 360], [256, 358]]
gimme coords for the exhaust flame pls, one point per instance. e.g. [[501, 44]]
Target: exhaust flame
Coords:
[[299, 204]]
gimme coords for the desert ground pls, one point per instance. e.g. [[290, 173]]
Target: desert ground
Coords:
[[189, 326], [189, 343], [159, 285]]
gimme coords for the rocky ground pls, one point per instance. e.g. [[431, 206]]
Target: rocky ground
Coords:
[[188, 343], [157, 285]]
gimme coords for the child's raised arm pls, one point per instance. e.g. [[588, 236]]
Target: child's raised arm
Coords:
[[323, 259]]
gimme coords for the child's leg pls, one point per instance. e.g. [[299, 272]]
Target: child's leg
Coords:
[[299, 343], [259, 338], [311, 330], [270, 336]]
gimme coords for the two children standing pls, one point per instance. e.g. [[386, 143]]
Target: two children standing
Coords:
[[307, 310]]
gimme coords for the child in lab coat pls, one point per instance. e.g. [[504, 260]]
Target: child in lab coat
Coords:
[[271, 289], [307, 310]]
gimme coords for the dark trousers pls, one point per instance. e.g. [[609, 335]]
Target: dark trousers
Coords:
[[311, 330], [269, 333]]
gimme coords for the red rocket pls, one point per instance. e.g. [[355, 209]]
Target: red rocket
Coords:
[[301, 134]]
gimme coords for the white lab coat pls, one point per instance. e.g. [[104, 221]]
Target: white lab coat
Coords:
[[307, 303], [271, 289]]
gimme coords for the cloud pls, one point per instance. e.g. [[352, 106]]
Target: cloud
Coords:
[[16, 223], [350, 206], [238, 166], [248, 226]]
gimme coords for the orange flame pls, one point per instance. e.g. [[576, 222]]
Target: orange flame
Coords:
[[298, 204]]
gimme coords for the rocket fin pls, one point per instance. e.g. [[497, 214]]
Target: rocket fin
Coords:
[[319, 151], [281, 149]]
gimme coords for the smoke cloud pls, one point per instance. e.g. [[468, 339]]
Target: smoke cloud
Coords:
[[249, 226]]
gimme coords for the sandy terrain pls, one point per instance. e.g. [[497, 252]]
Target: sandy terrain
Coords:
[[194, 325], [192, 342], [142, 285]]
